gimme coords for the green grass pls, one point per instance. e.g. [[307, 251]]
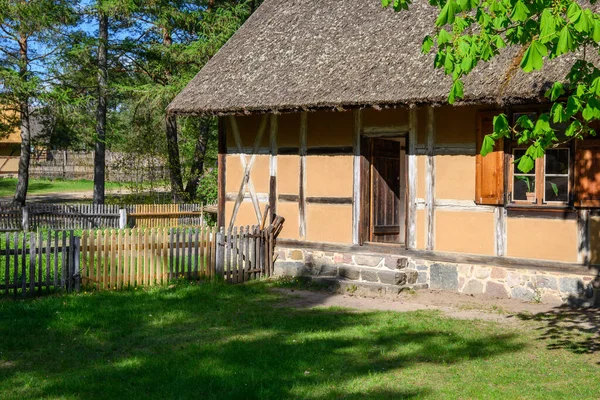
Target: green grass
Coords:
[[212, 341], [41, 186]]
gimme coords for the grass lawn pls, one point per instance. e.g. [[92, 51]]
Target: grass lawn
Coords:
[[41, 186], [212, 341]]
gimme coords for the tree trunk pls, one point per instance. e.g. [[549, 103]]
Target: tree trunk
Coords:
[[100, 145], [23, 177], [198, 161], [172, 142], [173, 159]]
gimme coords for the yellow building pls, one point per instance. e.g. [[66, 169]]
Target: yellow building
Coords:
[[10, 149], [333, 117]]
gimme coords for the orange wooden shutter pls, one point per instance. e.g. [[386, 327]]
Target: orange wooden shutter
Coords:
[[489, 178], [587, 173]]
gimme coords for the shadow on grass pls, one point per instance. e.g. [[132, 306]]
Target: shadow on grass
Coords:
[[573, 329], [217, 341]]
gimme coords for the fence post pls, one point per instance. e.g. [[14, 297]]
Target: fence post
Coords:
[[25, 219], [220, 259], [122, 218], [76, 261]]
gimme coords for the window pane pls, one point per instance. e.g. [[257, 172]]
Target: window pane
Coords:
[[557, 189], [518, 153], [557, 161], [521, 186]]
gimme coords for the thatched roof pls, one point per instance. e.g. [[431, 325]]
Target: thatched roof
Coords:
[[311, 54]]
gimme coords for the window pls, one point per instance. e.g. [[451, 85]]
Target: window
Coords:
[[548, 183]]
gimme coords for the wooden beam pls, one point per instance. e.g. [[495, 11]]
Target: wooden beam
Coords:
[[302, 183], [583, 236], [247, 165], [411, 217], [500, 230], [382, 131], [221, 164], [356, 178], [273, 165], [430, 179], [292, 198], [365, 191]]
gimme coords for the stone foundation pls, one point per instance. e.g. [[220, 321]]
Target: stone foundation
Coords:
[[494, 281]]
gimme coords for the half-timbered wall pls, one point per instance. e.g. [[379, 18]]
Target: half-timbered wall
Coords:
[[308, 165], [310, 179]]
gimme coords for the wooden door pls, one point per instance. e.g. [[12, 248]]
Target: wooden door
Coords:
[[388, 188]]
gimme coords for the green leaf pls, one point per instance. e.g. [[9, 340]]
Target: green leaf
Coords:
[[533, 59], [520, 12], [427, 44], [558, 113], [447, 14], [596, 33], [574, 11], [555, 91], [501, 126], [565, 41], [547, 26], [443, 37], [467, 64], [499, 42], [456, 92], [526, 164], [588, 112], [573, 106], [573, 128], [525, 122], [487, 146], [595, 87]]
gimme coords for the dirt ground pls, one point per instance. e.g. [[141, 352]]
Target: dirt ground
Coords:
[[454, 305]]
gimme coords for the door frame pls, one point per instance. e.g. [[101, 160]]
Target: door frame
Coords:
[[365, 223]]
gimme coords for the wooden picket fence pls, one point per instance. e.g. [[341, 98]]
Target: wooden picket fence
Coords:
[[92, 216], [116, 259], [36, 263]]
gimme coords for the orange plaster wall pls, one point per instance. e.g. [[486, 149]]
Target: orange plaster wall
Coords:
[[329, 176], [387, 117], [289, 211], [421, 174], [464, 232], [245, 215], [329, 223], [455, 177], [544, 239], [259, 173], [455, 124], [288, 174], [330, 128], [595, 240]]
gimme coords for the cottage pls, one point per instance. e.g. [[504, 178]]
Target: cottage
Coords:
[[332, 116]]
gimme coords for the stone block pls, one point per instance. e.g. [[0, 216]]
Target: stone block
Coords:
[[292, 269], [342, 258], [392, 277], [349, 272], [522, 293], [296, 255], [474, 286], [495, 289], [411, 276], [369, 275], [422, 278], [545, 282], [549, 298], [394, 262], [367, 261], [513, 279], [498, 273], [422, 267], [465, 270], [482, 272], [443, 276], [571, 286], [326, 270]]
